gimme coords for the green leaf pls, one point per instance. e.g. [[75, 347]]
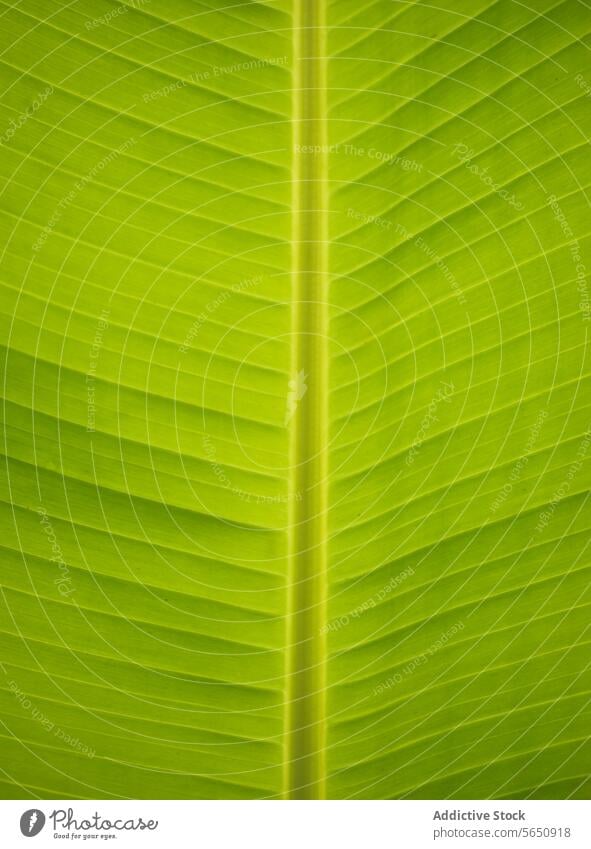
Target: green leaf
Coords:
[[295, 311]]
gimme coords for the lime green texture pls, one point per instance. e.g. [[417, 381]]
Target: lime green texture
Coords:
[[296, 414]]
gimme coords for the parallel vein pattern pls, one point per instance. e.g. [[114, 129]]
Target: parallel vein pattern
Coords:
[[146, 321], [296, 427], [459, 522]]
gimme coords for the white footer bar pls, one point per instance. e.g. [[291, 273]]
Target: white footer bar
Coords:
[[296, 825]]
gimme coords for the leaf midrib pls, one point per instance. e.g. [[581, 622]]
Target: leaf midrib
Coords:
[[305, 769]]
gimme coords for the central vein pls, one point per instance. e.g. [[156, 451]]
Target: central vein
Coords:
[[306, 710]]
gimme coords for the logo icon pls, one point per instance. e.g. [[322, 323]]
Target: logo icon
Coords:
[[32, 822], [297, 389]]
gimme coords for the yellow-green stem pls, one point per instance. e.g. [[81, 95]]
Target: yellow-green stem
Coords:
[[306, 696]]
